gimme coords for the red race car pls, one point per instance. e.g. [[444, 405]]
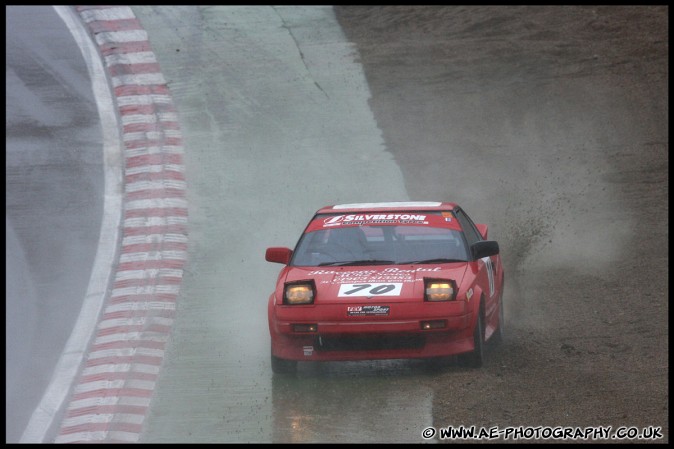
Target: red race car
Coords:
[[394, 280]]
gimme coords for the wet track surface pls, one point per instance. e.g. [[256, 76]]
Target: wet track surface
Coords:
[[54, 200], [216, 384], [550, 124]]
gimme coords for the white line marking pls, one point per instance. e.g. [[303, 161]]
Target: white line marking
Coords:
[[121, 36], [159, 184], [141, 57], [135, 321], [147, 99], [155, 203], [128, 336], [118, 368], [125, 275], [120, 13], [154, 238], [155, 169], [141, 79]]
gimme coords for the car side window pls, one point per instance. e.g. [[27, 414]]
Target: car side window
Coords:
[[469, 228]]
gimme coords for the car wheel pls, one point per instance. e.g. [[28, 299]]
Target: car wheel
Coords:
[[475, 358], [283, 366]]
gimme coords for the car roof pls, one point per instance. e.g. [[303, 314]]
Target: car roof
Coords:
[[400, 206]]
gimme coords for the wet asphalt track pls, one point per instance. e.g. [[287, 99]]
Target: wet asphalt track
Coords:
[[246, 141], [257, 103], [54, 200]]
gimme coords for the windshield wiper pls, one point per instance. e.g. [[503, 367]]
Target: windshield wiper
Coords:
[[358, 262], [440, 260]]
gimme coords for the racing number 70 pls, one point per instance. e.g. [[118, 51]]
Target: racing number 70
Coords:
[[371, 289], [378, 290]]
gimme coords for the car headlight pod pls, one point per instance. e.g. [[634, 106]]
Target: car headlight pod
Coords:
[[302, 292], [439, 290]]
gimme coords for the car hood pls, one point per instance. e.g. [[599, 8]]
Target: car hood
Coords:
[[394, 283]]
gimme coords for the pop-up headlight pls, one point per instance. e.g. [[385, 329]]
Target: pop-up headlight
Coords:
[[439, 290], [299, 293]]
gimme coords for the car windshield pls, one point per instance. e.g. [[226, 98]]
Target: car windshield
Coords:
[[379, 245]]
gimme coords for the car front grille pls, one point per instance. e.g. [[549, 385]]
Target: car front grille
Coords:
[[369, 342]]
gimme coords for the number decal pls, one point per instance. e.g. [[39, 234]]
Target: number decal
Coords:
[[356, 288], [380, 290], [368, 290]]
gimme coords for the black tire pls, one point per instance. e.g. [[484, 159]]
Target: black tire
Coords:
[[475, 358], [283, 366]]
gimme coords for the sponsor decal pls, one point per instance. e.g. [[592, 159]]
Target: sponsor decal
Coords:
[[367, 310], [445, 220], [387, 275], [374, 219], [308, 350]]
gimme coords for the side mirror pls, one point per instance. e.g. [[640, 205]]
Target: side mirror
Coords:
[[278, 255], [484, 248]]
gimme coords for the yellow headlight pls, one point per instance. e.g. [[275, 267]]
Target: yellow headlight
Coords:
[[299, 294], [439, 291]]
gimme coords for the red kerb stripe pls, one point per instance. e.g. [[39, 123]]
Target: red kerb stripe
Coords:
[[143, 359], [158, 328], [133, 69], [154, 159], [154, 246], [122, 48], [154, 194], [144, 143], [107, 409], [129, 90], [99, 26], [155, 176], [159, 126], [103, 427], [147, 230], [116, 375], [151, 108], [151, 265], [128, 344]]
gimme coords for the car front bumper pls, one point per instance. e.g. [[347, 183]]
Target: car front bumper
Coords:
[[325, 332]]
